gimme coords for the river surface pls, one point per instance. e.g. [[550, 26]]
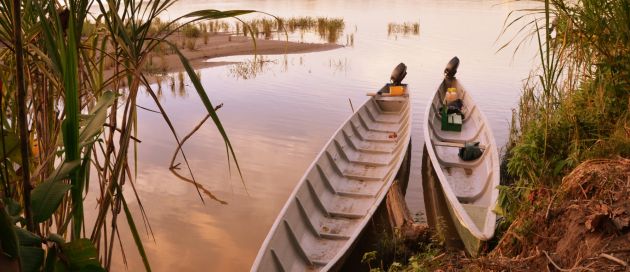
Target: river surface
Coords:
[[279, 118]]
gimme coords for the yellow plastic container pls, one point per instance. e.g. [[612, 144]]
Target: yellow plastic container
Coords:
[[451, 95], [396, 90]]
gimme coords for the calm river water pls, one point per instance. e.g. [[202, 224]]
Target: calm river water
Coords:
[[279, 119]]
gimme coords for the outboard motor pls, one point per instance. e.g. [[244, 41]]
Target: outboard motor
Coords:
[[451, 68], [399, 74]]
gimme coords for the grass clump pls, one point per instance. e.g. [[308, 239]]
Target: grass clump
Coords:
[[328, 29], [191, 31], [575, 107], [405, 29]]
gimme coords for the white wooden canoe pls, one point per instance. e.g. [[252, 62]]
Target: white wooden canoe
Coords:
[[341, 190], [468, 187]]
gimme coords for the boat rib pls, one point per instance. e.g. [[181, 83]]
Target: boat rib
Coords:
[[341, 190]]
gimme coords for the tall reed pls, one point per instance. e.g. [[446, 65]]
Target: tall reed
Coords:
[[62, 131]]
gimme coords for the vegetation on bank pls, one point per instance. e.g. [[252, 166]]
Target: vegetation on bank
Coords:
[[67, 126], [565, 193], [575, 107]]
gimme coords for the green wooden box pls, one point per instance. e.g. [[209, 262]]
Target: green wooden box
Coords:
[[451, 122]]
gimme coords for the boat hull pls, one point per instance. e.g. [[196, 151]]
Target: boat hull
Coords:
[[341, 190], [464, 193]]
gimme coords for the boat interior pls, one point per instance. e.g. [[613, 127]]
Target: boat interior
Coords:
[[470, 181], [341, 190]]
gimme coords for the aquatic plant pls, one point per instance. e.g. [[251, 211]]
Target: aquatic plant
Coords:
[[328, 29], [68, 124], [406, 28]]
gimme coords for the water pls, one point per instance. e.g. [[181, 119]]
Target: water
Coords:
[[279, 120]]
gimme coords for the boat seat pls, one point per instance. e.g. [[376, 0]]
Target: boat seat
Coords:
[[376, 115], [460, 163], [371, 125], [450, 144], [368, 147], [456, 140], [358, 157]]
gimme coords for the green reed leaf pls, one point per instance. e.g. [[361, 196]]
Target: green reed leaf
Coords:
[[136, 236], [81, 255], [206, 102], [8, 237], [47, 196], [32, 258]]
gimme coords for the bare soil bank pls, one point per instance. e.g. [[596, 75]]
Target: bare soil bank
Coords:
[[223, 45]]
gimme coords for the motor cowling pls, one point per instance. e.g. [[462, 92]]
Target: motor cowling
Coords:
[[451, 68], [399, 74]]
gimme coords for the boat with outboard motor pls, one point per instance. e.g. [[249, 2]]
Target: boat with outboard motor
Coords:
[[468, 186], [343, 187]]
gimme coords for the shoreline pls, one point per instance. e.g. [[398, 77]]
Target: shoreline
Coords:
[[222, 45]]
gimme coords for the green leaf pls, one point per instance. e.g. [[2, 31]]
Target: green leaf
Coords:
[[206, 102], [92, 268], [62, 171], [27, 238], [8, 238], [136, 236], [96, 118], [13, 207], [559, 166], [81, 255], [216, 14], [56, 238], [32, 258], [52, 263], [46, 198], [10, 148]]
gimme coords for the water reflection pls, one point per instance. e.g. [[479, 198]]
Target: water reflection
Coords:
[[350, 40], [182, 86], [172, 83], [339, 65], [279, 119], [249, 69]]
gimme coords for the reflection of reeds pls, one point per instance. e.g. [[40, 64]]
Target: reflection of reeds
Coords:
[[405, 29], [339, 65], [350, 40], [180, 78], [249, 69], [172, 83]]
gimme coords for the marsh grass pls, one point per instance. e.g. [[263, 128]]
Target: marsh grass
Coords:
[[575, 106], [328, 29], [83, 121], [405, 29], [191, 44]]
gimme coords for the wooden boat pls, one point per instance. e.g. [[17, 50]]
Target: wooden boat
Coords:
[[468, 188], [341, 189]]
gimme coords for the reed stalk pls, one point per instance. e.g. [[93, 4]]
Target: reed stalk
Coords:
[[23, 125]]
